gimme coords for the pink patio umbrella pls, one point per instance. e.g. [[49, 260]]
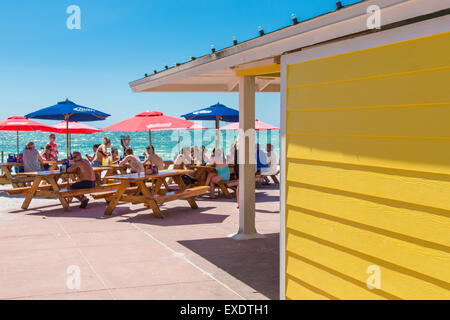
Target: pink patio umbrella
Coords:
[[259, 126], [19, 123], [74, 127], [150, 121]]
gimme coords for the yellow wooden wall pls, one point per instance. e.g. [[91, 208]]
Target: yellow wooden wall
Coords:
[[368, 173]]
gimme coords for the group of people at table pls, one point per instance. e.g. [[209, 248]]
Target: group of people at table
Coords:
[[266, 163]]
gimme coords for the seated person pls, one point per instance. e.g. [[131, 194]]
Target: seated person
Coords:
[[32, 160], [223, 172], [261, 160], [132, 161], [48, 155], [204, 157], [115, 156], [87, 177], [94, 148], [271, 161], [153, 158], [183, 159]]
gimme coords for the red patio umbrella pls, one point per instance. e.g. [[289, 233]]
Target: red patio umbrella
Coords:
[[150, 121], [19, 123], [259, 126]]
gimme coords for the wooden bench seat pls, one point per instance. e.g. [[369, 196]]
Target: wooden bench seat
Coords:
[[225, 185], [24, 190], [111, 193], [266, 177], [67, 193], [174, 195]]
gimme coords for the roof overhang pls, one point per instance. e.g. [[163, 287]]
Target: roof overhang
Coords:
[[260, 57]]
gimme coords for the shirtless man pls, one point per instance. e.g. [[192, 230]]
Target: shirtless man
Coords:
[[132, 161], [84, 169], [153, 158]]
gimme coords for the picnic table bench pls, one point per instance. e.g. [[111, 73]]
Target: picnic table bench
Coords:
[[51, 189], [133, 190]]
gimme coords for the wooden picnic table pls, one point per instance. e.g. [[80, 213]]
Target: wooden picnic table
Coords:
[[49, 191], [139, 193], [53, 190], [9, 178], [111, 170]]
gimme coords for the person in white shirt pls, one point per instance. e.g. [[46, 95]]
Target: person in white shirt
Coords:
[[184, 158], [271, 161]]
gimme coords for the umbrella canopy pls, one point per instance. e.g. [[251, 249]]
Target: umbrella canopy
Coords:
[[217, 113], [150, 121], [75, 128], [68, 111], [259, 126], [23, 124], [19, 123], [213, 112]]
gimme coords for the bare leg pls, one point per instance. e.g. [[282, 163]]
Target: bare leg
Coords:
[[214, 181], [211, 175]]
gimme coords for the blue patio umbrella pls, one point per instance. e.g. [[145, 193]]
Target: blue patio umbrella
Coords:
[[68, 111], [217, 112]]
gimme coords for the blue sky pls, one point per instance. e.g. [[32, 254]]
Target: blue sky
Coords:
[[42, 62]]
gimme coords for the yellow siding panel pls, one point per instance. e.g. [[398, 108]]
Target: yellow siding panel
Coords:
[[401, 186], [418, 258], [404, 89], [387, 122], [424, 224], [368, 173], [394, 280], [407, 56], [330, 281], [404, 154], [296, 289]]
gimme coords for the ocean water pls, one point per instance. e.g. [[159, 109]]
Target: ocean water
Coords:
[[165, 142]]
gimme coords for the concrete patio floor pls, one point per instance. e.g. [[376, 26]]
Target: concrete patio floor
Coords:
[[133, 255]]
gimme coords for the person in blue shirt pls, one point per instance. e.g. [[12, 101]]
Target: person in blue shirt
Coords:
[[261, 160]]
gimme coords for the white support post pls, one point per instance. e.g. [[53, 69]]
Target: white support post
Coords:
[[247, 163]]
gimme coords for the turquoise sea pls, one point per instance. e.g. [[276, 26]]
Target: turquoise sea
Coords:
[[165, 142]]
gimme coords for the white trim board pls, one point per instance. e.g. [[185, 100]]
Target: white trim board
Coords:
[[404, 33]]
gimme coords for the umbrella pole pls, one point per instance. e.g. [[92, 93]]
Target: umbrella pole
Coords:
[[18, 141], [150, 136], [179, 142], [67, 135], [217, 132]]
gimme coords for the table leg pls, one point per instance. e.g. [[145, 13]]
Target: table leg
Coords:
[[8, 175], [31, 193], [182, 187], [148, 198], [115, 200], [52, 181], [157, 186]]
